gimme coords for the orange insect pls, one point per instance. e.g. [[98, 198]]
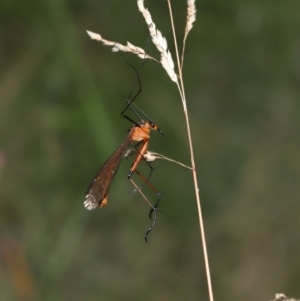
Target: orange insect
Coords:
[[97, 193]]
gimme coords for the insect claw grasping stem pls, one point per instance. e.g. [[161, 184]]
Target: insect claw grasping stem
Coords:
[[152, 226], [154, 211]]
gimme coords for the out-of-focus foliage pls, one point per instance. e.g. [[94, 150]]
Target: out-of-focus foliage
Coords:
[[61, 95]]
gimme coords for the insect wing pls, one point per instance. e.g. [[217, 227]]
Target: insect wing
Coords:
[[97, 192]]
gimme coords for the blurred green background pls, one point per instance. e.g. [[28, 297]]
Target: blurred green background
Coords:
[[61, 95]]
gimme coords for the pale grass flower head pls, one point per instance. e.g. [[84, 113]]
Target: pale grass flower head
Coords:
[[159, 41]]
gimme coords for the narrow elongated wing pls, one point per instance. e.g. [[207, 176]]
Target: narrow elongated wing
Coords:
[[97, 192]]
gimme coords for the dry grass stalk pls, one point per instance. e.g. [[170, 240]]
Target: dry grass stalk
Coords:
[[168, 64], [119, 47], [180, 85], [152, 156]]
